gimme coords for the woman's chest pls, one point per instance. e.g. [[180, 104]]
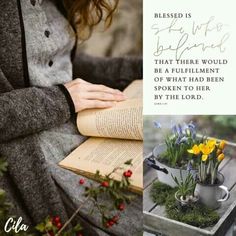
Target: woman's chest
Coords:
[[49, 41]]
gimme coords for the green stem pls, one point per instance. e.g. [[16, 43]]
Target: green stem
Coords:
[[72, 217]]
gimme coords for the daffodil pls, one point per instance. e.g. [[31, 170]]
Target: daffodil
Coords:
[[222, 144], [221, 157], [195, 150], [207, 149], [211, 143], [204, 157]]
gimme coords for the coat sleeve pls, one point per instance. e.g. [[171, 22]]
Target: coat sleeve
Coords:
[[113, 72], [30, 110]]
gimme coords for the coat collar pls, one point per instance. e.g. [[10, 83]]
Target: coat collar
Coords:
[[13, 60]]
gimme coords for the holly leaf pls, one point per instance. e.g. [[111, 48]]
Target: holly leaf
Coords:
[[129, 162], [77, 228], [3, 166], [48, 225], [40, 227]]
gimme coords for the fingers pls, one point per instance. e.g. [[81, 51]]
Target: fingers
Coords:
[[93, 87], [86, 95], [98, 104], [102, 88], [104, 96], [76, 82]]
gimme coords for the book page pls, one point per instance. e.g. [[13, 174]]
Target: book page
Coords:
[[134, 90], [104, 155], [123, 121]]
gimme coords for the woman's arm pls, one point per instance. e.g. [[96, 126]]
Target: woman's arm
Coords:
[[113, 72], [29, 110]]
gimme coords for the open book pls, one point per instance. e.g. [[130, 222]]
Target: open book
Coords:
[[116, 136]]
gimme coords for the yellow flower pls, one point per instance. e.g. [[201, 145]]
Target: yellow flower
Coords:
[[204, 157], [195, 150], [207, 148], [211, 143], [222, 144], [221, 157]]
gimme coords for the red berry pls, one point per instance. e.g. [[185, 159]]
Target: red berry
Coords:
[[121, 206], [105, 184], [111, 222], [79, 234], [107, 225], [81, 181], [51, 233], [127, 174], [130, 172], [59, 225], [57, 219], [115, 218]]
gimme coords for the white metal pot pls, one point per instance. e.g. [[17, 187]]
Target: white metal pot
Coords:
[[167, 178], [185, 202], [211, 195], [164, 172]]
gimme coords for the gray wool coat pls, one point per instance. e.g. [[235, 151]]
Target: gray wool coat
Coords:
[[25, 111]]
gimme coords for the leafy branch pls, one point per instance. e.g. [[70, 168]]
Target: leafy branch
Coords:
[[108, 188]]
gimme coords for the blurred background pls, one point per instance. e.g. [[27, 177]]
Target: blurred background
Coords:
[[124, 37], [220, 127]]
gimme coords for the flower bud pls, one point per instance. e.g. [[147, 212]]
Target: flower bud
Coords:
[[221, 157], [222, 144], [218, 152]]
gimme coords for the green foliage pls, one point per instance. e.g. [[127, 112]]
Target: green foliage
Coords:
[[49, 227], [110, 188], [196, 214], [181, 138], [226, 121], [159, 192], [3, 166], [185, 187], [176, 154], [129, 162]]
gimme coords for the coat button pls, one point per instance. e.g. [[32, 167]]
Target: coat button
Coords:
[[47, 33], [33, 2], [50, 63]]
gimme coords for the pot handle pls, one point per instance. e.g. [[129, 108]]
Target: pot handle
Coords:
[[150, 161], [226, 192]]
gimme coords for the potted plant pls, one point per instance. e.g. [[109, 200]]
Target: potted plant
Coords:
[[209, 188], [185, 193], [172, 157]]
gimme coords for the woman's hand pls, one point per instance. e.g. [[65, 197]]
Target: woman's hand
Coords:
[[86, 95]]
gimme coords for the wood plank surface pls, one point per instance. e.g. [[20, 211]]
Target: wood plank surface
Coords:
[[228, 214], [155, 221], [148, 204]]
